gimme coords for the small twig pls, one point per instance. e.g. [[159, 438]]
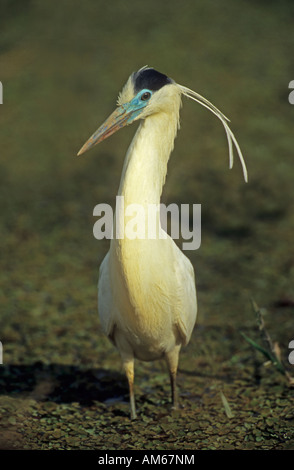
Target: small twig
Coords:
[[266, 337], [226, 405], [271, 350]]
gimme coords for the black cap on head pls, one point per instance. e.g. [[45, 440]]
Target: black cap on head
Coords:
[[150, 79]]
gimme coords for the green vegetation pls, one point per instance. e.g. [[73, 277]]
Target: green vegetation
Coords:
[[62, 66]]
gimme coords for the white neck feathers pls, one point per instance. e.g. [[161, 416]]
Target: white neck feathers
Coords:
[[145, 165]]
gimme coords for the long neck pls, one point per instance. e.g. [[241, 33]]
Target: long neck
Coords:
[[142, 180], [145, 166]]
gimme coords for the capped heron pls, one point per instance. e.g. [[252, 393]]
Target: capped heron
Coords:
[[146, 289]]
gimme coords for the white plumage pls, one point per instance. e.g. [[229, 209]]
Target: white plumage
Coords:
[[146, 290]]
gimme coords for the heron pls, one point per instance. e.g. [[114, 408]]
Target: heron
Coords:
[[146, 289]]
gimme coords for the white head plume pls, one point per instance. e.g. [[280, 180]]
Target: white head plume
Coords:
[[230, 136]]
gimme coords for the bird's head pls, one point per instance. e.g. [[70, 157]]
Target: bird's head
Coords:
[[146, 92]]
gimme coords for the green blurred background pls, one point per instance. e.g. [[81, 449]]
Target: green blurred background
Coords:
[[62, 65]]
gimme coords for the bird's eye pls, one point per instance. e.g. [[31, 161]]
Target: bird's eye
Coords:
[[146, 96]]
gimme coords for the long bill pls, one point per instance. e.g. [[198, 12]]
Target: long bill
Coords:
[[118, 119]]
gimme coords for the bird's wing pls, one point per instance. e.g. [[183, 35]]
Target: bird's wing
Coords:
[[186, 310], [105, 301]]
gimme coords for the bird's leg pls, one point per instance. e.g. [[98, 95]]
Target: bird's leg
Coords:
[[129, 370], [174, 390], [127, 358], [172, 359]]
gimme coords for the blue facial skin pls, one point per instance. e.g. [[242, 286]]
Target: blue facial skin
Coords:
[[135, 107]]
